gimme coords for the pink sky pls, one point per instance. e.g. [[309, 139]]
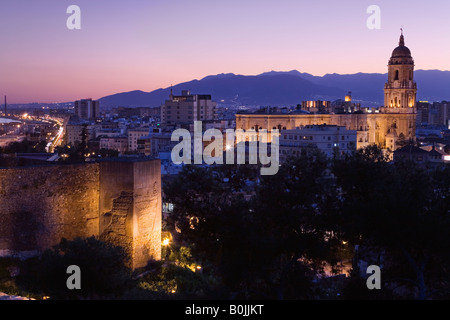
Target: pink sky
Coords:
[[151, 44]]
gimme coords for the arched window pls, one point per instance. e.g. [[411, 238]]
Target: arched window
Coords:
[[396, 75]]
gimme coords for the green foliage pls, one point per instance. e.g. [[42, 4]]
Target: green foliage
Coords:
[[104, 273], [170, 281], [271, 237], [253, 244], [24, 146], [69, 153], [371, 153], [182, 257], [402, 209], [256, 230], [402, 141], [7, 284], [108, 153]]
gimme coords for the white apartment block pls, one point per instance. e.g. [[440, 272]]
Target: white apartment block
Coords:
[[329, 139], [133, 137]]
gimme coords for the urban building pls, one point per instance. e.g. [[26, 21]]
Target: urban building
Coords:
[[345, 106], [397, 118], [134, 135], [114, 143], [156, 142], [74, 132], [423, 108], [421, 155], [433, 114], [331, 140], [127, 112], [317, 106], [110, 129], [87, 109], [180, 111]]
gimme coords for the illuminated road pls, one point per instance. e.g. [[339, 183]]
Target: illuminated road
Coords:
[[56, 140], [13, 136]]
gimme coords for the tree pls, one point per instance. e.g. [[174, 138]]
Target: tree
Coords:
[[171, 281], [372, 153], [104, 271], [212, 219], [297, 208], [401, 211], [266, 241], [24, 146], [81, 149], [402, 141]]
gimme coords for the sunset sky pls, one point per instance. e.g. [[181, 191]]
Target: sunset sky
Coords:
[[151, 44]]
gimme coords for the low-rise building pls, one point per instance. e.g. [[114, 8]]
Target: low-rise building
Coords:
[[119, 143], [134, 135], [421, 155], [156, 142], [331, 140], [74, 132]]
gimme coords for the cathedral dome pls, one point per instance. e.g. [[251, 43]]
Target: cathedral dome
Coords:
[[401, 51]]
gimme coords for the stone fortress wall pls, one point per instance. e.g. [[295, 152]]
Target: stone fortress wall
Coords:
[[117, 201]]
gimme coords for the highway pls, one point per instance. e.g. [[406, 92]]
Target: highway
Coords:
[[56, 140], [12, 136]]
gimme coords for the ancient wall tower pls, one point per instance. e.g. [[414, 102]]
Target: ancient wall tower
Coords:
[[118, 201]]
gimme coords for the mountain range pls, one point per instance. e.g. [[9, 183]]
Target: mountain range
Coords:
[[287, 88]]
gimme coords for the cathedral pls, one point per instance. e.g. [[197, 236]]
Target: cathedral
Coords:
[[394, 121]]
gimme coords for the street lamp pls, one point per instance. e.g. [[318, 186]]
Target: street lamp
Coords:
[[165, 248]]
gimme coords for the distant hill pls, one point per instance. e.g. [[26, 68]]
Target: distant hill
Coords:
[[288, 88]]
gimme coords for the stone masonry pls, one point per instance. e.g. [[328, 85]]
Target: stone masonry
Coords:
[[117, 201]]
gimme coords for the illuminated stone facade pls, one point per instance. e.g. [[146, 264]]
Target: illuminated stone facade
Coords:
[[116, 201], [397, 118]]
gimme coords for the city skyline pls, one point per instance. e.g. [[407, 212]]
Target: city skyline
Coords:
[[310, 162], [147, 45]]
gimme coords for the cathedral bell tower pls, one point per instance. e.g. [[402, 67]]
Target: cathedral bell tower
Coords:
[[401, 89]]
